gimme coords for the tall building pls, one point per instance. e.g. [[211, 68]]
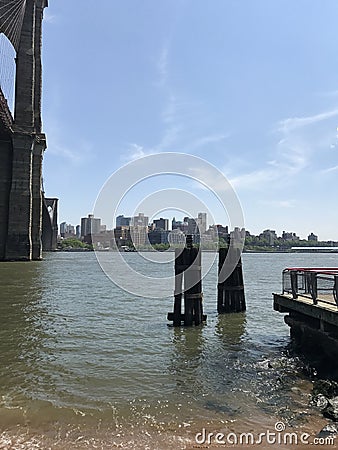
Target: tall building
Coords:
[[202, 222], [312, 237], [289, 236], [192, 227], [269, 235], [90, 225], [218, 231], [63, 228], [176, 237], [178, 225], [158, 236], [122, 235], [67, 230], [138, 235], [122, 221], [162, 224], [140, 220]]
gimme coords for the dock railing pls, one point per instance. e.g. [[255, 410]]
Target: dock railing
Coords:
[[317, 284]]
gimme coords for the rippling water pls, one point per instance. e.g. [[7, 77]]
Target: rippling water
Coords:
[[85, 363]]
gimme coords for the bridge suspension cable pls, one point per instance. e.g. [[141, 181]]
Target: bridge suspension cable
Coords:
[[11, 19], [7, 70]]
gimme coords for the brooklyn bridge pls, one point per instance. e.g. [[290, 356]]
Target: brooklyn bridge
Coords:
[[28, 221]]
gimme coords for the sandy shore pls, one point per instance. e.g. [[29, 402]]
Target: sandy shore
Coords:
[[230, 434]]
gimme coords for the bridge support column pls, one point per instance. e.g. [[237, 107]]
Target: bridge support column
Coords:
[[19, 240], [36, 230], [21, 171], [5, 186]]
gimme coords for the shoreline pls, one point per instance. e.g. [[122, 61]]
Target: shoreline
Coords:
[[233, 434]]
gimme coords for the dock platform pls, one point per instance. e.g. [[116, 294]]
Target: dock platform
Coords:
[[310, 298]]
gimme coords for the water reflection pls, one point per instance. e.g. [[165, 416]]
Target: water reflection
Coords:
[[230, 328], [22, 331], [188, 346], [208, 362]]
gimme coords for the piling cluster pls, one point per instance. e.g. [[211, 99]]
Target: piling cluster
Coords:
[[188, 284]]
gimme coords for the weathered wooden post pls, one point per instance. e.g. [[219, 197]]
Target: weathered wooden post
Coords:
[[313, 287], [230, 295], [294, 283], [335, 289], [179, 269], [188, 273]]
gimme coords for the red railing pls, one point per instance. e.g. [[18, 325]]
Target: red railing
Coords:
[[317, 283]]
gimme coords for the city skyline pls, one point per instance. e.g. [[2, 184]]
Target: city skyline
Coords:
[[287, 234]]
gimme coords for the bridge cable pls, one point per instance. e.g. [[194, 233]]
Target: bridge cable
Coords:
[[7, 69], [11, 19]]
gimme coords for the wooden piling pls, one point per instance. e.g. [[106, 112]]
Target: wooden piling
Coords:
[[230, 292], [179, 268], [188, 272]]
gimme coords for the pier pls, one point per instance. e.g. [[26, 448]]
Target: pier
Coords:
[[310, 297]]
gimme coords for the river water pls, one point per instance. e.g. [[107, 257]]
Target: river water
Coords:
[[85, 364]]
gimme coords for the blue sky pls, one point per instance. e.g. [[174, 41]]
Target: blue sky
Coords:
[[249, 85]]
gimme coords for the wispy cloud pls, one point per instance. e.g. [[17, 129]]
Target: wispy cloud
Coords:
[[76, 155], [208, 178], [204, 141], [289, 160], [134, 152], [162, 65], [279, 203], [330, 170], [293, 123], [48, 17], [255, 179], [169, 140], [300, 141], [175, 109]]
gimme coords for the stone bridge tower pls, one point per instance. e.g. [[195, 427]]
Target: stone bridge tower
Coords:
[[22, 142]]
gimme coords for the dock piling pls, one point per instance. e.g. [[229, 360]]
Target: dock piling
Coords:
[[188, 272], [230, 293]]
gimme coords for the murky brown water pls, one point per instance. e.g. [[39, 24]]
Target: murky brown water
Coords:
[[84, 364]]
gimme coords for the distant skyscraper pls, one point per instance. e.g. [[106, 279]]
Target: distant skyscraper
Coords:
[[178, 225], [202, 222], [122, 221], [90, 225], [63, 228], [162, 224], [66, 230], [141, 220]]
